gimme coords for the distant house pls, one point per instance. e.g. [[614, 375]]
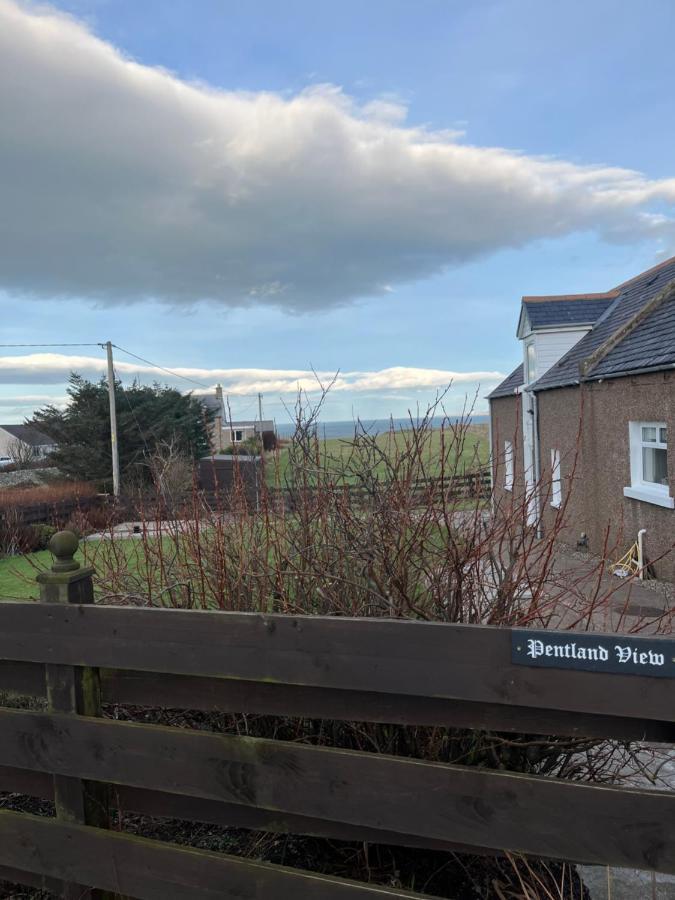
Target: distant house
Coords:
[[225, 433], [215, 405], [23, 442], [238, 432], [586, 418]]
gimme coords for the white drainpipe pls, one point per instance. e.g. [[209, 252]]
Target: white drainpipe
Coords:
[[641, 558], [537, 460]]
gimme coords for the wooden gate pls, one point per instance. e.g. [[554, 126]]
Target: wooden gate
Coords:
[[375, 670]]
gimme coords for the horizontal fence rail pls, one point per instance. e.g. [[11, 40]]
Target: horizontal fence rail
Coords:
[[370, 670], [217, 812], [383, 656], [233, 695], [137, 867], [480, 807]]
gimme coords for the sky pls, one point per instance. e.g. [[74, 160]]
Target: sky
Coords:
[[267, 194]]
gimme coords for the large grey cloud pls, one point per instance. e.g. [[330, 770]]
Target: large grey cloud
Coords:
[[120, 182]]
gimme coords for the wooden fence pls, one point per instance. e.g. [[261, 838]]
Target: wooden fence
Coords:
[[77, 655], [468, 485], [49, 513]]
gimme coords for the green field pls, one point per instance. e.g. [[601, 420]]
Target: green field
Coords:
[[336, 452], [17, 573]]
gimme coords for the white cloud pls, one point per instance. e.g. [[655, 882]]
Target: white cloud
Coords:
[[31, 400], [121, 182], [54, 368]]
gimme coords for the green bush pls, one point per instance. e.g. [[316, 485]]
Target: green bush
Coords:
[[42, 535]]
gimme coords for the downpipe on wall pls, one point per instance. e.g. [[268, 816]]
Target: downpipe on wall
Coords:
[[640, 553], [537, 463]]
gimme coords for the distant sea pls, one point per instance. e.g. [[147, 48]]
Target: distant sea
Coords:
[[373, 426]]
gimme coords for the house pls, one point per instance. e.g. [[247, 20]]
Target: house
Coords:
[[240, 431], [215, 405], [582, 424], [225, 432], [23, 443]]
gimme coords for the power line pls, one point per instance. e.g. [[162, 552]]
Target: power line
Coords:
[[52, 345], [232, 396], [161, 368]]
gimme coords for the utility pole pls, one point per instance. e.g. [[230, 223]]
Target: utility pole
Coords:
[[260, 410], [113, 422]]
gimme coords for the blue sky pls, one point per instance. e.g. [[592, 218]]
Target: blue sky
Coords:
[[330, 227]]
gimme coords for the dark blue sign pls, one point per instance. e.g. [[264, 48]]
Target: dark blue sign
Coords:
[[620, 654]]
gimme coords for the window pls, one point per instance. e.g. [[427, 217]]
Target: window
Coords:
[[649, 463], [508, 465], [237, 437], [556, 483], [531, 357]]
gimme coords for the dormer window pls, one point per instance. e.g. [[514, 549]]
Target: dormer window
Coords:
[[550, 326], [531, 362]]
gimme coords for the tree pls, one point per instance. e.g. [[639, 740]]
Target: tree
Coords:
[[22, 455], [147, 418]]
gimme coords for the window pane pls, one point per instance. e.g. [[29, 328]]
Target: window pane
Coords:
[[663, 435], [531, 362], [649, 433], [508, 465], [654, 465], [556, 487]]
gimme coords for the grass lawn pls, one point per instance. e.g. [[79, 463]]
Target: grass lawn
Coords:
[[475, 452], [17, 573]]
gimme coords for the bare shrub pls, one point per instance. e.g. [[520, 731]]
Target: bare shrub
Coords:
[[384, 527], [22, 455], [172, 473]]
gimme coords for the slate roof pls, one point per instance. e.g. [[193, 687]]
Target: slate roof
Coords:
[[267, 424], [29, 434], [210, 402], [547, 312], [651, 345], [509, 386]]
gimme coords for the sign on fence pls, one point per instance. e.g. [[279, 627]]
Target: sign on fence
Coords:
[[618, 654]]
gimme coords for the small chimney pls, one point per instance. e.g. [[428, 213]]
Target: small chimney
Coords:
[[219, 392]]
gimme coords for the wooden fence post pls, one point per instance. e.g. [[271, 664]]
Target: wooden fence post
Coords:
[[73, 689]]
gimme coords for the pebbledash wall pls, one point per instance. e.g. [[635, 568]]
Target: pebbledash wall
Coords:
[[595, 461], [597, 505], [506, 426]]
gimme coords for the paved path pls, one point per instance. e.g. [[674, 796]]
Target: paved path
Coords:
[[627, 884], [632, 602]]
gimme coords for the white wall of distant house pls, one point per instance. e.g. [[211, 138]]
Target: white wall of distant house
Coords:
[[7, 440]]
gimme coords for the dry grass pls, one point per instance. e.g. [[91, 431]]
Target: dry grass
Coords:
[[17, 497]]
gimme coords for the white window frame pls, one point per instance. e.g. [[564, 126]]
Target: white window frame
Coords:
[[556, 481], [508, 466], [235, 432], [639, 489]]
